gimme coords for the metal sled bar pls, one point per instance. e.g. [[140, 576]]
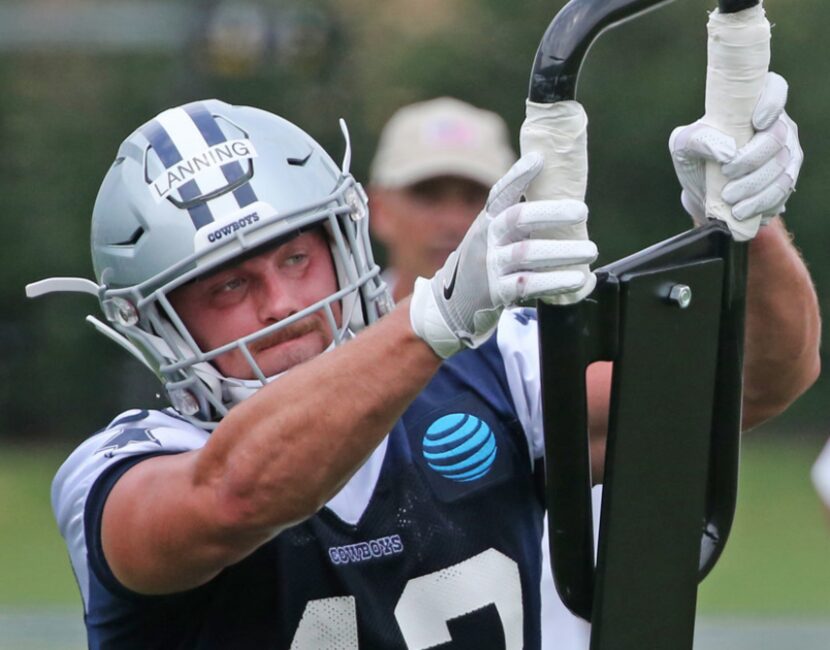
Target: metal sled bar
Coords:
[[573, 337]]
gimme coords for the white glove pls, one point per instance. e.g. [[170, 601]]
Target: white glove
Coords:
[[762, 173], [510, 254]]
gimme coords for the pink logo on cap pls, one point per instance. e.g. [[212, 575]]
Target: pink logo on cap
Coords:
[[448, 133]]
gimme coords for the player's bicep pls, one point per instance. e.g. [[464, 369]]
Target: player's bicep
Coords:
[[163, 532]]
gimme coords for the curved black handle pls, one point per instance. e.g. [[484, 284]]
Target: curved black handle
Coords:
[[561, 328], [724, 451], [562, 349], [722, 488], [563, 342], [734, 6], [568, 39]]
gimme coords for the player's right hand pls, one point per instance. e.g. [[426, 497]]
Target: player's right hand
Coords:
[[762, 173], [512, 253]]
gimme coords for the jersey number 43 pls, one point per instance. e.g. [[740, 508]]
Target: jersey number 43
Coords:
[[425, 606]]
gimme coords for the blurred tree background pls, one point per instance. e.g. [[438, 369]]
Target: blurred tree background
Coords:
[[78, 75]]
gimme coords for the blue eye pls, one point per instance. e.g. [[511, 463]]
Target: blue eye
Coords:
[[297, 258], [231, 285]]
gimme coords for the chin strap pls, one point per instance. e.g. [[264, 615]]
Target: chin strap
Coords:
[[215, 383], [121, 340]]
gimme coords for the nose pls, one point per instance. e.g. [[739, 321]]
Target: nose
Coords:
[[274, 299]]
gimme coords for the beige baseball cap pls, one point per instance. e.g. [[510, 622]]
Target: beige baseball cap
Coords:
[[441, 137]]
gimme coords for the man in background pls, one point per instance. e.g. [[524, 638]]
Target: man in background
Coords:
[[435, 163]]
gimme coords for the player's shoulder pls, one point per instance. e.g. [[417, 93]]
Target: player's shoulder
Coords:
[[515, 342], [517, 330], [131, 434], [523, 319], [143, 430]]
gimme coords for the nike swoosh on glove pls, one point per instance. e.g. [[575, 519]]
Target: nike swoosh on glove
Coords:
[[762, 174], [511, 254]]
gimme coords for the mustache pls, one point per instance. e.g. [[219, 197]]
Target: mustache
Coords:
[[293, 331]]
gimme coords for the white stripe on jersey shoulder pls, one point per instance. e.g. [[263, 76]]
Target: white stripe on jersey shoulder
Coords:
[[132, 433], [518, 341], [142, 431]]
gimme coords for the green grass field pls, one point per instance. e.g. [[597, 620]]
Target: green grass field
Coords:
[[34, 564], [777, 562]]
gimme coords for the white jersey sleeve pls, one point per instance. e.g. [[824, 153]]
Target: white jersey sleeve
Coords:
[[518, 342], [134, 435]]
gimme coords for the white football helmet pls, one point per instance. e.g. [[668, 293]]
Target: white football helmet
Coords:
[[193, 189]]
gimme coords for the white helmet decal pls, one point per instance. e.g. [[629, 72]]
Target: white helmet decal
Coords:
[[187, 142]]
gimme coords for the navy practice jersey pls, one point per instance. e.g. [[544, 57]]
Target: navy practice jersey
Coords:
[[434, 543]]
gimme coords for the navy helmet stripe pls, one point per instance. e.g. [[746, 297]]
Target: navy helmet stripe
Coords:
[[245, 195], [233, 171], [205, 123], [199, 213], [162, 144], [189, 191], [169, 154], [213, 135]]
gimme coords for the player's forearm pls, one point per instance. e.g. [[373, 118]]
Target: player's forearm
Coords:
[[274, 460], [782, 327], [279, 456]]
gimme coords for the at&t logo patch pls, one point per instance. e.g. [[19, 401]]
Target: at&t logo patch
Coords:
[[460, 447]]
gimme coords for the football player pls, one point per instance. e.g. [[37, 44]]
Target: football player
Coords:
[[333, 472]]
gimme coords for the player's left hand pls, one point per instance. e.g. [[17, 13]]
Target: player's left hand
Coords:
[[513, 252], [762, 174]]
